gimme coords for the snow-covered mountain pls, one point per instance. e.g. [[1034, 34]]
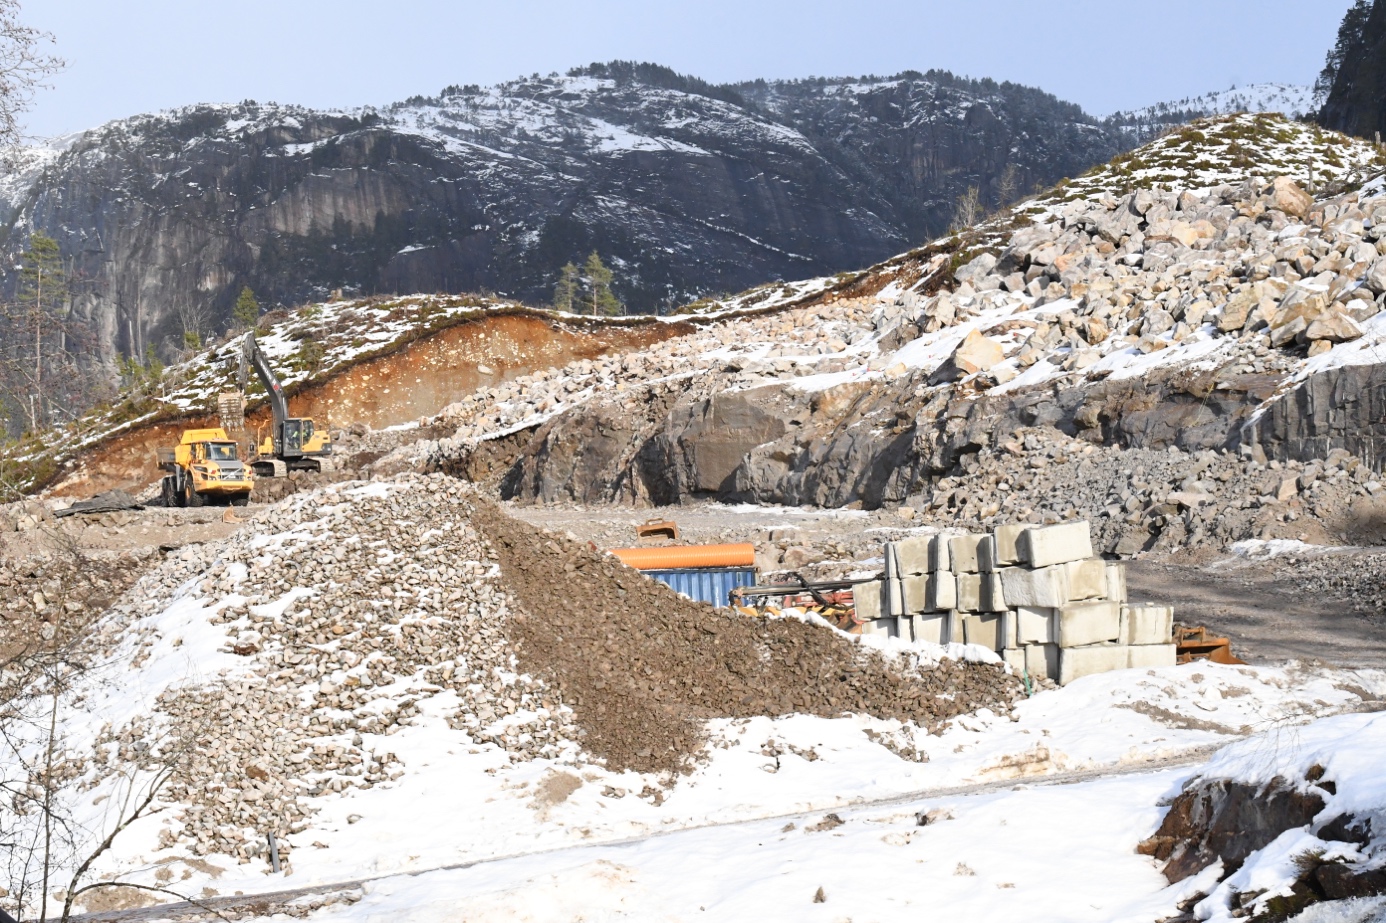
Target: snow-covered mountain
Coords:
[[686, 188]]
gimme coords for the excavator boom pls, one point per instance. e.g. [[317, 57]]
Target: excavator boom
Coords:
[[252, 354]]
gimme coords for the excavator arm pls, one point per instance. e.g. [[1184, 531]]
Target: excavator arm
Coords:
[[252, 355]]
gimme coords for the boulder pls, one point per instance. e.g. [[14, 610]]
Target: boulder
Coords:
[[1333, 326], [974, 354], [977, 269], [1286, 196], [1375, 278]]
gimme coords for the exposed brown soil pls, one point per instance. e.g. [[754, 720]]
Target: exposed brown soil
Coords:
[[417, 381], [642, 667]]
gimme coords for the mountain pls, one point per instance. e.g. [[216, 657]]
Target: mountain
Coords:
[[686, 188]]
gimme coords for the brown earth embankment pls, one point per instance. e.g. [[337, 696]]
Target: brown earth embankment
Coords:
[[418, 380]]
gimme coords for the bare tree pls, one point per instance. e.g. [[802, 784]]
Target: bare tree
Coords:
[[25, 66], [968, 210]]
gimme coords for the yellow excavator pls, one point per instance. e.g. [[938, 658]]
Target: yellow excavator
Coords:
[[203, 468], [292, 443]]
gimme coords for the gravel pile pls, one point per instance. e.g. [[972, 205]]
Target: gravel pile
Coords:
[[350, 606], [642, 667], [342, 611]]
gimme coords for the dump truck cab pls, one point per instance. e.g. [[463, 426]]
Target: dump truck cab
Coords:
[[205, 467]]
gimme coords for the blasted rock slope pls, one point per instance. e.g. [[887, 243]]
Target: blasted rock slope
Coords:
[[688, 189], [1140, 344]]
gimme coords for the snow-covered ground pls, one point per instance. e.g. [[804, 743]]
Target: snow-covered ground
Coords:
[[584, 842], [1019, 848]]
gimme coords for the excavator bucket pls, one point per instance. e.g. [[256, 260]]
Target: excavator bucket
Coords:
[[231, 410], [1196, 644], [658, 528]]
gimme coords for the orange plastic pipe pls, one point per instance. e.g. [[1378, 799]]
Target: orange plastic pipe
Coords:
[[687, 556]]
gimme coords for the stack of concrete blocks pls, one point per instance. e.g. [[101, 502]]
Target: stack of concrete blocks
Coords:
[[1034, 594]]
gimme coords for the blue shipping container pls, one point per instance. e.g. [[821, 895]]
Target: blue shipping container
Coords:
[[711, 584]]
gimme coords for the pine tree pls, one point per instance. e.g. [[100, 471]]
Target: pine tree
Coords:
[[247, 310], [1349, 36], [599, 294], [40, 313], [566, 290]]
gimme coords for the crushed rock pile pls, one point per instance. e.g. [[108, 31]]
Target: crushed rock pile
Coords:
[[332, 616], [341, 610], [1160, 500], [642, 666]]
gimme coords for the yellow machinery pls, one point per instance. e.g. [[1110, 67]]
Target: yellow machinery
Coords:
[[293, 443], [205, 467]]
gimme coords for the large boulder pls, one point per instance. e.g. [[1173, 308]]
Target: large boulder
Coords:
[[1286, 196]]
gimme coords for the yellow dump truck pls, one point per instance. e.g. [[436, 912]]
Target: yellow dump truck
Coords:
[[205, 467]]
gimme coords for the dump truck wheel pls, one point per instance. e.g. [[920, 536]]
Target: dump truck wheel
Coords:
[[169, 496], [240, 500], [192, 497]]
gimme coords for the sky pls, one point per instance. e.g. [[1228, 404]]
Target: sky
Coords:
[[143, 55]]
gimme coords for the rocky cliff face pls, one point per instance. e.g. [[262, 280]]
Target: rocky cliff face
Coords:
[[687, 189], [1356, 102]]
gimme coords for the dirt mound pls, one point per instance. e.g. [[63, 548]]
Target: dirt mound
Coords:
[[642, 667]]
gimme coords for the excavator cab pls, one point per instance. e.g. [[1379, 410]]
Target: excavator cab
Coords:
[[295, 435]]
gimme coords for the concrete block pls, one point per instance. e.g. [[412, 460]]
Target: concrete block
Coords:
[[904, 628], [913, 556], [1015, 659], [1147, 624], [1150, 656], [1042, 546], [1006, 538], [986, 555], [1087, 579], [932, 628], [867, 598], [969, 592], [1089, 623], [1042, 660], [1077, 662], [1008, 630], [1046, 587], [984, 630], [941, 593], [963, 551], [1116, 581], [993, 594], [893, 601], [878, 628], [916, 594], [1034, 625], [940, 561]]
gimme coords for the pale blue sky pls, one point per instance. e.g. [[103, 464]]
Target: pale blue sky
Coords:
[[142, 55]]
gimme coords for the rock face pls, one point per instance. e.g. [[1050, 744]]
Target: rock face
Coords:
[[166, 217], [1356, 104], [1342, 408]]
